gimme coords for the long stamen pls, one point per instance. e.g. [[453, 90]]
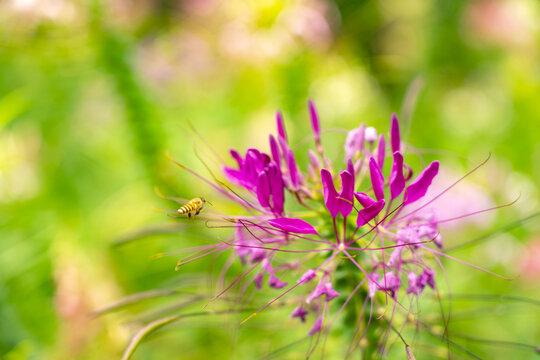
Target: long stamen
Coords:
[[444, 191], [371, 279], [378, 223], [291, 288], [279, 250], [184, 262], [232, 284], [463, 262]]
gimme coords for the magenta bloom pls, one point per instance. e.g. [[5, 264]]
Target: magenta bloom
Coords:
[[298, 226]]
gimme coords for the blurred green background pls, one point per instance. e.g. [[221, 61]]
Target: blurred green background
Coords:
[[94, 94]]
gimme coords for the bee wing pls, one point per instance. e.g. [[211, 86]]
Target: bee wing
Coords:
[[178, 200]]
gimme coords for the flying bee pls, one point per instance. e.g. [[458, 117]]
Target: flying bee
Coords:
[[193, 206]]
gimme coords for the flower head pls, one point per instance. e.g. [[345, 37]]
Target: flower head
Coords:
[[368, 224]]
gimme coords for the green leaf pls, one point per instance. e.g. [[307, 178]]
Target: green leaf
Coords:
[[151, 327]]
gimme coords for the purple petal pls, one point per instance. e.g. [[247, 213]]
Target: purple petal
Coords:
[[417, 189], [317, 326], [312, 173], [283, 145], [293, 169], [314, 160], [276, 188], [395, 256], [394, 134], [369, 213], [346, 196], [241, 250], [350, 170], [298, 226], [252, 164], [308, 275], [263, 189], [381, 151], [280, 126], [329, 291], [275, 283], [428, 276], [377, 179], [438, 241], [397, 180], [372, 285], [314, 120], [300, 313], [314, 294], [323, 288], [257, 255], [236, 156], [264, 160], [330, 193], [370, 135], [412, 279], [274, 149], [237, 177], [259, 280], [355, 141], [390, 282], [296, 176], [364, 199]]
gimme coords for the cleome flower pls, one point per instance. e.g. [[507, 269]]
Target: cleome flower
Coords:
[[359, 220]]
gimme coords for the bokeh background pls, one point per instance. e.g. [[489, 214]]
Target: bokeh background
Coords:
[[94, 94]]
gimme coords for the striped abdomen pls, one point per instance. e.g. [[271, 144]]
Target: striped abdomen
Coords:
[[194, 205]]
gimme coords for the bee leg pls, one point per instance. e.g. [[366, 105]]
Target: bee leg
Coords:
[[189, 215], [198, 211]]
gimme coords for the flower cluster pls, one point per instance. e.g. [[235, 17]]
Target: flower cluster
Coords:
[[371, 223]]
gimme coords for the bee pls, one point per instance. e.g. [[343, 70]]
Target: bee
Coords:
[[193, 206]]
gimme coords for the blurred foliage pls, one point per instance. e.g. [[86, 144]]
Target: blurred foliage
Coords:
[[93, 95]]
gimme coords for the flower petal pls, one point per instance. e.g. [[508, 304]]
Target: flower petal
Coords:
[[308, 275], [259, 280], [369, 213], [355, 141], [412, 279], [276, 283], [237, 177], [372, 284], [314, 160], [364, 199], [236, 156], [346, 196], [330, 293], [397, 180], [394, 134], [330, 193], [377, 179], [417, 189], [276, 188], [381, 151], [293, 169], [314, 120], [428, 276], [317, 326], [350, 170], [280, 126], [370, 135], [300, 313], [274, 149], [263, 189], [298, 226]]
